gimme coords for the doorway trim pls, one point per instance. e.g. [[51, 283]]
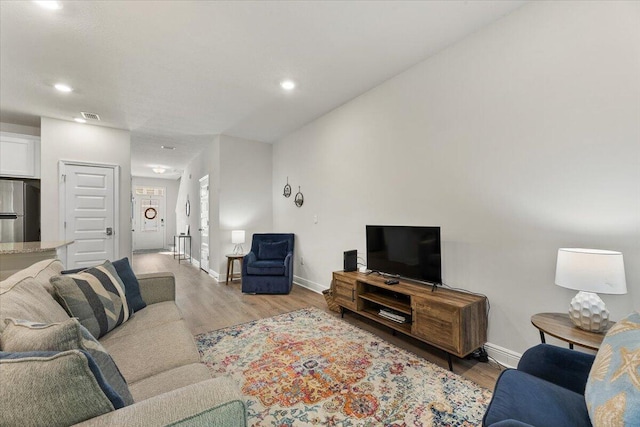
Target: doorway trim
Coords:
[[208, 242], [62, 205]]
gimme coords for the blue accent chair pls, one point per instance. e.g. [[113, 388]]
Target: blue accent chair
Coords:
[[268, 268], [546, 390]]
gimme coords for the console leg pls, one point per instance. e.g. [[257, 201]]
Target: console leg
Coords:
[[342, 312], [450, 362]]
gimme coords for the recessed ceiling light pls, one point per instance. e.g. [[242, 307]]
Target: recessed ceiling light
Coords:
[[80, 120], [287, 84], [167, 147], [159, 170], [51, 5], [63, 87]]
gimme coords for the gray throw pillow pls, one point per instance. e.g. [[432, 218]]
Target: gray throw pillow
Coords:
[[52, 389], [25, 336], [95, 296]]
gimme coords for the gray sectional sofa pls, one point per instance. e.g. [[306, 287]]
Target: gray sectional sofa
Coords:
[[154, 351]]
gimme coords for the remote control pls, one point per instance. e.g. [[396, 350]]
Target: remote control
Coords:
[[391, 282]]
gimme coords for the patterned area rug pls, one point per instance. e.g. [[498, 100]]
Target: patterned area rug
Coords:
[[309, 368]]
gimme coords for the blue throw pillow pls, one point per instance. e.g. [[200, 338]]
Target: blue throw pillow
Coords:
[[273, 250], [131, 284], [128, 277], [612, 392]]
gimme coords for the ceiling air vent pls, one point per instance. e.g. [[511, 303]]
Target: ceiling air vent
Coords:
[[90, 116]]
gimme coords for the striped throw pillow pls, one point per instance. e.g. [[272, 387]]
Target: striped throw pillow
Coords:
[[95, 296]]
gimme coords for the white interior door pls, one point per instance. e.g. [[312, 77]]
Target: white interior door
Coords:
[[149, 207], [204, 223], [89, 202]]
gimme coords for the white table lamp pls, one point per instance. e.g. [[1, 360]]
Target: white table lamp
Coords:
[[590, 271], [237, 237]]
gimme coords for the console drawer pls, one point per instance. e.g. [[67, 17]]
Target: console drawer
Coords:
[[345, 293], [437, 323]]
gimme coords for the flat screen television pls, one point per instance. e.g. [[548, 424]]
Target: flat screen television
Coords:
[[405, 251]]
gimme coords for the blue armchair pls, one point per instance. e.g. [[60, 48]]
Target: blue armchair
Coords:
[[268, 268], [547, 389]]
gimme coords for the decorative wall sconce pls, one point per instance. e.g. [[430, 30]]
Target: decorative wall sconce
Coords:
[[287, 189], [299, 199]]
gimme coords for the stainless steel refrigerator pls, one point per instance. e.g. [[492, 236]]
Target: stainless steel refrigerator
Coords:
[[19, 211]]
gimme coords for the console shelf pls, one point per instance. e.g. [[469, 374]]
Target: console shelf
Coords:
[[387, 301], [373, 315], [453, 321]]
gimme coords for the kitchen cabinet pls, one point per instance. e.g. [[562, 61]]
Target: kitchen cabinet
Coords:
[[19, 155]]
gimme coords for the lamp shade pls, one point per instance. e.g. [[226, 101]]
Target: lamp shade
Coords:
[[237, 236], [591, 270]]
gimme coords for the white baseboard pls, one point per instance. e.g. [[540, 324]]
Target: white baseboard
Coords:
[[503, 355], [312, 286], [214, 274], [195, 262]]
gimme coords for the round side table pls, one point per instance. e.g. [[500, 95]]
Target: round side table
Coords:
[[559, 325]]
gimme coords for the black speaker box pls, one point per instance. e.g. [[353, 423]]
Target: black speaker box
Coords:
[[351, 260]]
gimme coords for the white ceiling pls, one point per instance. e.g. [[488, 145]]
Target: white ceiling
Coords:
[[177, 72]]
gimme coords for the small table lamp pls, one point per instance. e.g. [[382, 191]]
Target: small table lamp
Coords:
[[237, 237], [590, 271]]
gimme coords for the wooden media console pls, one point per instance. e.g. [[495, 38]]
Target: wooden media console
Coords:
[[450, 320]]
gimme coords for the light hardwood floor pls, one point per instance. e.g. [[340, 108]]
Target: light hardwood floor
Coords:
[[208, 305]]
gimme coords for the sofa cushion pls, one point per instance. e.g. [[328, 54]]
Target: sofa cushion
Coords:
[[155, 350], [266, 268], [41, 271], [95, 296], [613, 387], [153, 315], [52, 389], [204, 404], [28, 300], [172, 379], [534, 401], [22, 335], [273, 250], [128, 277]]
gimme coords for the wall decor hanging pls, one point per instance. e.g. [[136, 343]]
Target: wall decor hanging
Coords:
[[187, 207], [299, 199], [287, 189]]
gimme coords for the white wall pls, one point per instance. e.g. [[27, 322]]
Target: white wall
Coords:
[[245, 191], [189, 188], [519, 140], [171, 197], [62, 140], [239, 195]]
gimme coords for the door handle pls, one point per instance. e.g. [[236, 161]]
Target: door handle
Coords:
[[109, 231]]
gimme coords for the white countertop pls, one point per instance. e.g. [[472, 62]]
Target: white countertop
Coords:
[[31, 247]]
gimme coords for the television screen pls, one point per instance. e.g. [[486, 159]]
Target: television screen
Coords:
[[410, 252]]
